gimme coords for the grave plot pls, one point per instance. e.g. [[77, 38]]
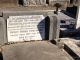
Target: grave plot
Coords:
[[28, 26], [41, 50]]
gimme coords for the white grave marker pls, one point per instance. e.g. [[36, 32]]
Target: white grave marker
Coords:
[[25, 28], [78, 18]]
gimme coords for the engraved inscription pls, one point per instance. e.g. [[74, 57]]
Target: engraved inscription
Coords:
[[25, 28]]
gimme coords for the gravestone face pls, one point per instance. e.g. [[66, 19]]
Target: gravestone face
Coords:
[[34, 2], [26, 28]]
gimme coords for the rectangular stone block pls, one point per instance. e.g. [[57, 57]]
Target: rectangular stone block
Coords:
[[8, 3], [3, 37], [54, 28], [63, 3], [51, 29], [25, 28], [34, 2], [6, 14]]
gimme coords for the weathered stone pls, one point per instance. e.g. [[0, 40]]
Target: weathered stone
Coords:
[[34, 2], [63, 3], [51, 27], [34, 51], [54, 28], [78, 19], [3, 38], [25, 28]]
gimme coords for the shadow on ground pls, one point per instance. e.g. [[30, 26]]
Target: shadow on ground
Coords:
[[1, 56]]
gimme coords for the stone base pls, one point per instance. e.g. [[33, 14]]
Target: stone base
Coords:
[[42, 50]]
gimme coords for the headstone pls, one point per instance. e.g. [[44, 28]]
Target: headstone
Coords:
[[14, 26], [78, 18], [25, 28], [34, 2]]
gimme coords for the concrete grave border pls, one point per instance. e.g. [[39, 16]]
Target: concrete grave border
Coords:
[[54, 24]]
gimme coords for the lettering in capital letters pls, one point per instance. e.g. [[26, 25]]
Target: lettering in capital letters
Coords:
[[25, 28]]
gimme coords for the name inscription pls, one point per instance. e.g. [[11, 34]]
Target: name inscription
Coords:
[[25, 28]]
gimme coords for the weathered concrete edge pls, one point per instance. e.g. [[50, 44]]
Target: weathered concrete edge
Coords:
[[6, 14], [72, 49], [1, 13], [3, 31]]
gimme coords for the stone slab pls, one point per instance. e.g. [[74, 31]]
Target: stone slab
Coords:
[[78, 18], [34, 2], [8, 13], [71, 47], [26, 28], [50, 20], [2, 31], [41, 50]]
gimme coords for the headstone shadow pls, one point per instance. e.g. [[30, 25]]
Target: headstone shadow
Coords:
[[47, 26], [1, 56]]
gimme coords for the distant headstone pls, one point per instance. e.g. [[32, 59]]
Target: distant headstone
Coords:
[[78, 19], [63, 3], [34, 2], [25, 28]]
